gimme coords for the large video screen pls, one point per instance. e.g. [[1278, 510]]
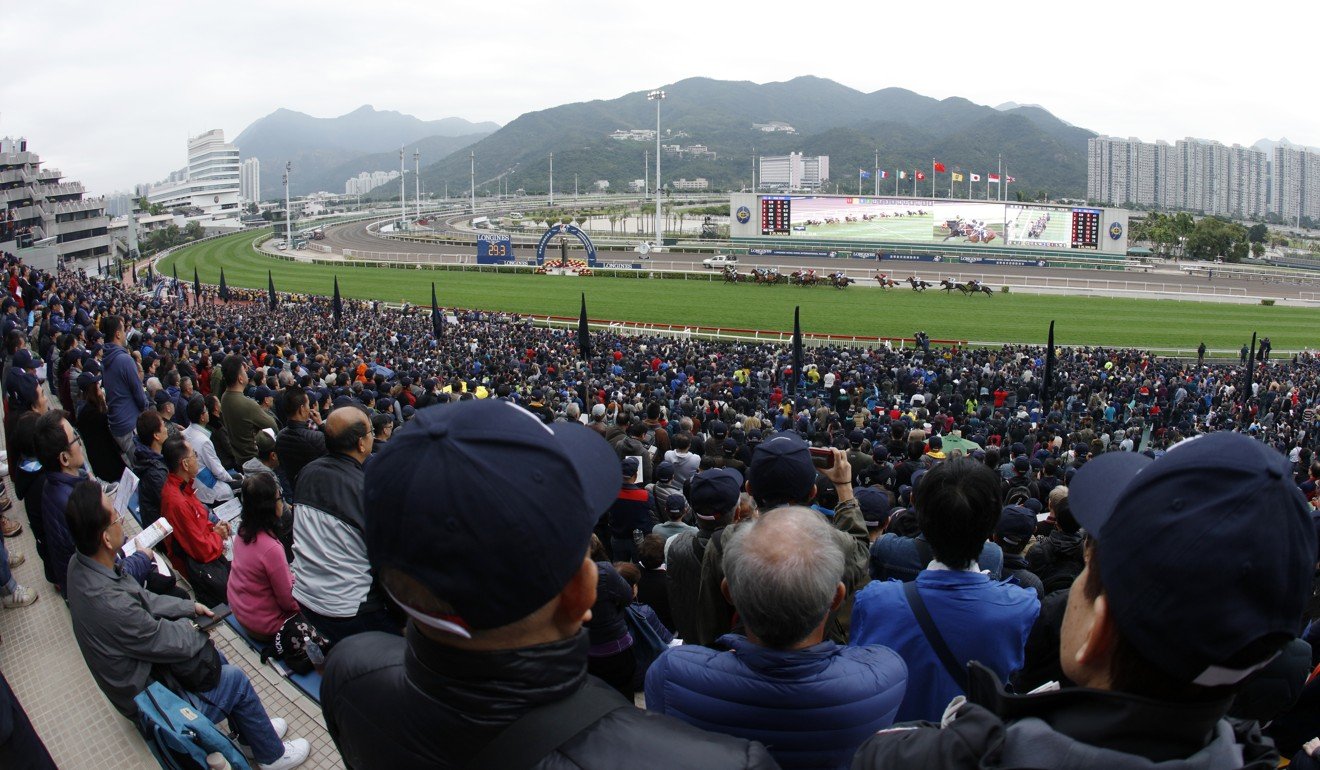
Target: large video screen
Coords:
[[924, 220]]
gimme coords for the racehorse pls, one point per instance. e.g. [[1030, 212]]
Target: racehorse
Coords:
[[731, 275], [767, 276], [885, 281], [918, 285], [948, 285], [803, 278], [841, 281], [981, 288]]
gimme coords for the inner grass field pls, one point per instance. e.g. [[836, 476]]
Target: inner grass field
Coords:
[[1156, 324]]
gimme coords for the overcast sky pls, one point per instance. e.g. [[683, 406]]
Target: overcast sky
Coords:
[[109, 92]]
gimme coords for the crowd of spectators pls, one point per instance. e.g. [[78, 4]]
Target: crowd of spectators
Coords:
[[887, 559]]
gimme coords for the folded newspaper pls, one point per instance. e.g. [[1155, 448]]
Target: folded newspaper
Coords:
[[149, 537]]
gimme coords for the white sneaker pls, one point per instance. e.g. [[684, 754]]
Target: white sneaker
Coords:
[[278, 725], [16, 559], [21, 597], [296, 752]]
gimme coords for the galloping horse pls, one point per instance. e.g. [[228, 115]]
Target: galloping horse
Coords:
[[731, 275], [948, 285], [885, 281], [840, 280], [917, 284]]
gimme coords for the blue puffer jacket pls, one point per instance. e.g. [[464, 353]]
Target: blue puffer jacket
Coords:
[[812, 708]]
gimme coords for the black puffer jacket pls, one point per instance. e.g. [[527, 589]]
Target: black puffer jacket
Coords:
[[296, 446], [151, 472], [412, 703]]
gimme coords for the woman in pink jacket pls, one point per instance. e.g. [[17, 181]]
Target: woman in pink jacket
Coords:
[[260, 584]]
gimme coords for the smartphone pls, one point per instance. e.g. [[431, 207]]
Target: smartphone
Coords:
[[221, 611], [822, 457]]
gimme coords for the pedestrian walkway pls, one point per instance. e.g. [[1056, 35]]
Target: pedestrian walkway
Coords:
[[41, 660]]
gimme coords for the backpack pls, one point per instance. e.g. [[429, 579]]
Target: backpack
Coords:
[[1018, 492], [290, 645], [180, 736]]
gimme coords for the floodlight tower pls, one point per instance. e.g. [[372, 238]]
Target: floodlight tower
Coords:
[[657, 96], [288, 209]]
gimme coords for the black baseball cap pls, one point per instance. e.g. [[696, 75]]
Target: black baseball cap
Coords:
[[1203, 551], [715, 491], [495, 559], [781, 469], [1017, 524]]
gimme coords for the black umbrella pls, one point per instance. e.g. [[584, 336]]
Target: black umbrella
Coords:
[[584, 333], [797, 350], [338, 304], [437, 320]]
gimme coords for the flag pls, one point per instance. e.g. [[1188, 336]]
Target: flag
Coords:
[[992, 178], [976, 177], [957, 177], [864, 173], [437, 320], [151, 274], [99, 269], [197, 287], [1010, 179], [884, 174], [224, 288], [920, 175], [1251, 375], [584, 333], [338, 304], [902, 175], [797, 350], [270, 284], [175, 268], [939, 168], [1049, 372]]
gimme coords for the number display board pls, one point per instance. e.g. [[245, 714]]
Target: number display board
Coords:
[[776, 215], [494, 246], [1086, 229]]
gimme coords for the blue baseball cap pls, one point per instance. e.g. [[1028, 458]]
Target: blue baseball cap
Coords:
[[1017, 524], [493, 558], [714, 492], [1202, 551], [781, 469]]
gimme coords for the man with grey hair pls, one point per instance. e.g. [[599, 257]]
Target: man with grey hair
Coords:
[[784, 575]]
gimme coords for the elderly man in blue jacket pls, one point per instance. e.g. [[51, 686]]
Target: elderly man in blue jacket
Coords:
[[811, 701]]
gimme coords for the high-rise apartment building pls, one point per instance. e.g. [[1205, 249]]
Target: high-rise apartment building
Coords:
[[1192, 175], [249, 183], [794, 171]]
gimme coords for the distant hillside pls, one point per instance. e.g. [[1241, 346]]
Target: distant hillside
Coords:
[[325, 151], [1041, 151]]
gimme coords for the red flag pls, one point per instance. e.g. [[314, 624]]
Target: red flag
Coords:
[[939, 168], [920, 176]]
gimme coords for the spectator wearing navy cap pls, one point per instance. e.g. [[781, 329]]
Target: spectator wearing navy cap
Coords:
[[1197, 573], [93, 425], [631, 517], [952, 612], [496, 587], [693, 560], [124, 395], [782, 473], [676, 509], [1013, 533], [664, 486]]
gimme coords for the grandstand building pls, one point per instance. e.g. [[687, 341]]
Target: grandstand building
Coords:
[[1190, 175], [211, 181], [39, 209]]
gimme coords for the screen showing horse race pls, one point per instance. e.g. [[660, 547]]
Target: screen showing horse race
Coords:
[[929, 221]]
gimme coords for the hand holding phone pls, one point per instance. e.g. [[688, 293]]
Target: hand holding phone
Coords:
[[218, 614], [822, 457]]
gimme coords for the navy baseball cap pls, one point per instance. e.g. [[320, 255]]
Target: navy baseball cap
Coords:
[[1016, 525], [874, 504], [23, 359], [664, 471], [715, 491], [675, 502], [493, 558], [781, 469], [1212, 536], [630, 465], [87, 380]]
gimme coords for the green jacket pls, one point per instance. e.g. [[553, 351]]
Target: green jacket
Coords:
[[243, 418]]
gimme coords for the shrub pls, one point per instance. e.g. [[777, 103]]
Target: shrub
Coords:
[[1003, 289], [1267, 302]]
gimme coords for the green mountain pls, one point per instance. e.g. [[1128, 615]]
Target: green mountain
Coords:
[[909, 130], [326, 151]]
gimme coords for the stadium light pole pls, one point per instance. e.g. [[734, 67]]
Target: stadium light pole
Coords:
[[552, 179], [288, 208], [403, 191], [472, 179], [657, 96], [417, 181]]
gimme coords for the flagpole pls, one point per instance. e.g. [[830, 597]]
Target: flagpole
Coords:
[[876, 170], [895, 183], [932, 177], [859, 182], [1001, 176]]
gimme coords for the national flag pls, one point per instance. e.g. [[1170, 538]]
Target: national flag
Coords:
[[224, 288], [939, 168], [337, 304], [902, 175], [884, 174], [584, 332], [976, 177], [992, 178], [270, 284], [1010, 179], [1049, 371], [921, 175], [864, 173], [197, 287], [957, 177]]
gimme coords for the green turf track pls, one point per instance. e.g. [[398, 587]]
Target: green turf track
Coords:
[[1159, 324]]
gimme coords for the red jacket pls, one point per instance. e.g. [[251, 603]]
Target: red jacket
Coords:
[[190, 519]]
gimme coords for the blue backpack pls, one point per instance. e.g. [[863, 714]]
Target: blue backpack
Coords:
[[180, 736]]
